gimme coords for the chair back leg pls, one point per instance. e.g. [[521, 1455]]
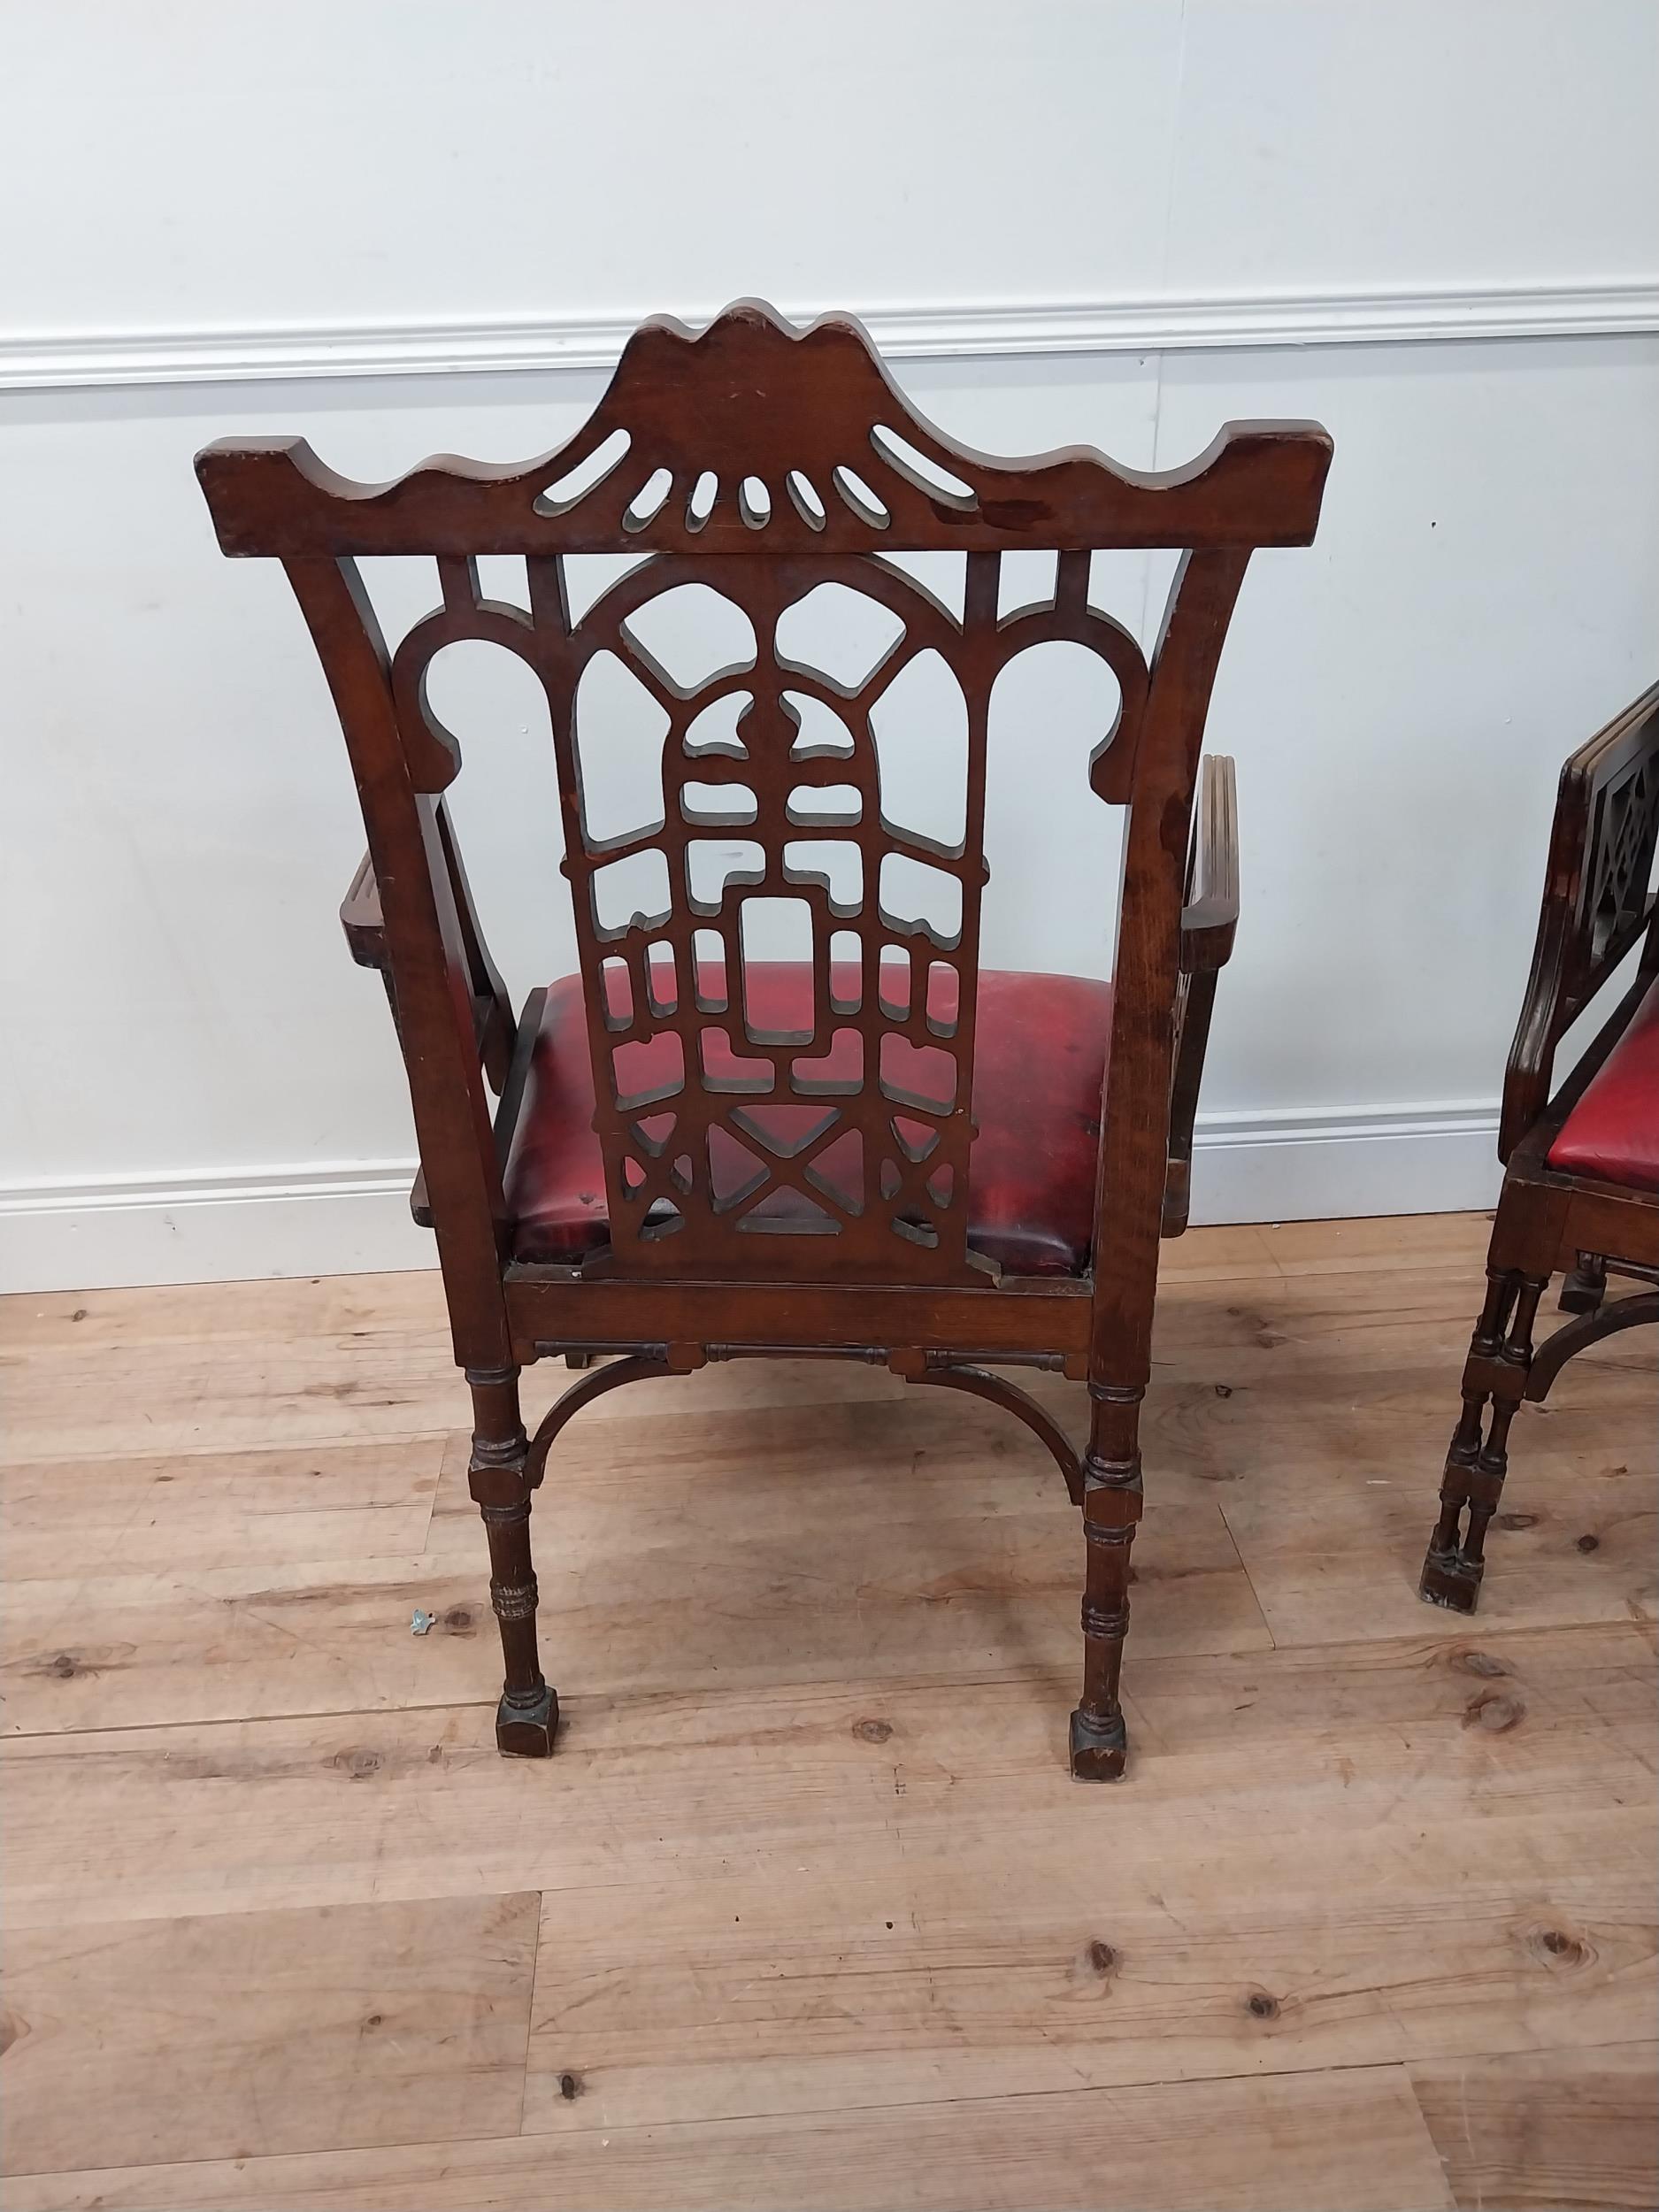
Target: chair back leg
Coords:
[[1494, 1383], [498, 1475], [1111, 1510]]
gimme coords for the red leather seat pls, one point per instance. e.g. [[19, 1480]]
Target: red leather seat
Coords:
[[1613, 1132], [1040, 1057]]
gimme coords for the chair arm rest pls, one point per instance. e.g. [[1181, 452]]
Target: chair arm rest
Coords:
[[361, 918], [1210, 916], [1209, 921], [364, 926]]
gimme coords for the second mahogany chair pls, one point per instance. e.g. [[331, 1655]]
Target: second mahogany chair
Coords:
[[879, 1151], [1581, 1190]]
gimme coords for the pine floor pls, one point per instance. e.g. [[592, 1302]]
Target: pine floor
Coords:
[[806, 1912]]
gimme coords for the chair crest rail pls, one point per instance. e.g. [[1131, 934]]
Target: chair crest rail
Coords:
[[799, 442]]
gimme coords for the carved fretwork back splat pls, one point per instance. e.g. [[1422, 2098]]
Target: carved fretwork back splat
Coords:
[[852, 1127], [764, 462], [1624, 832]]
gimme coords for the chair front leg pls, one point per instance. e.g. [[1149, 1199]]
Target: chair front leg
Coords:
[[1495, 1376], [527, 1716], [1111, 1508]]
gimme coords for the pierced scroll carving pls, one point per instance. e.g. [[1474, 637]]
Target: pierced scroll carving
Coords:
[[859, 469]]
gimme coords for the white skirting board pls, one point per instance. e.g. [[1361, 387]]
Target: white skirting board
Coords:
[[1322, 1165], [353, 1217]]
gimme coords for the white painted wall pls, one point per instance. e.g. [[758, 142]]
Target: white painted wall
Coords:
[[403, 227]]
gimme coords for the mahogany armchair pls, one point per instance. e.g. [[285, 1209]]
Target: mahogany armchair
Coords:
[[878, 1151], [1581, 1186]]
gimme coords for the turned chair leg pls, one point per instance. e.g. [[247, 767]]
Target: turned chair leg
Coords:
[[527, 1716], [1495, 1376], [1111, 1507], [1583, 1290]]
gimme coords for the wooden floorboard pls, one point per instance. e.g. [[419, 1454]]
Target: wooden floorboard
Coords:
[[218, 1508], [1352, 2138], [1560, 2131], [238, 2035], [648, 1602], [806, 1910], [1541, 1728]]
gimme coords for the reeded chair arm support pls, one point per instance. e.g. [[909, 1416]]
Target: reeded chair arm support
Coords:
[[1210, 916], [363, 921], [495, 1031], [1210, 920], [364, 926]]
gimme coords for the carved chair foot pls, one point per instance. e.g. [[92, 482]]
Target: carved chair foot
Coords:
[[1451, 1580], [1583, 1290], [1099, 1748], [526, 1731]]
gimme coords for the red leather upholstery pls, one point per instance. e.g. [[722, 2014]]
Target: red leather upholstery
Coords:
[[1613, 1132], [1039, 1059]]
